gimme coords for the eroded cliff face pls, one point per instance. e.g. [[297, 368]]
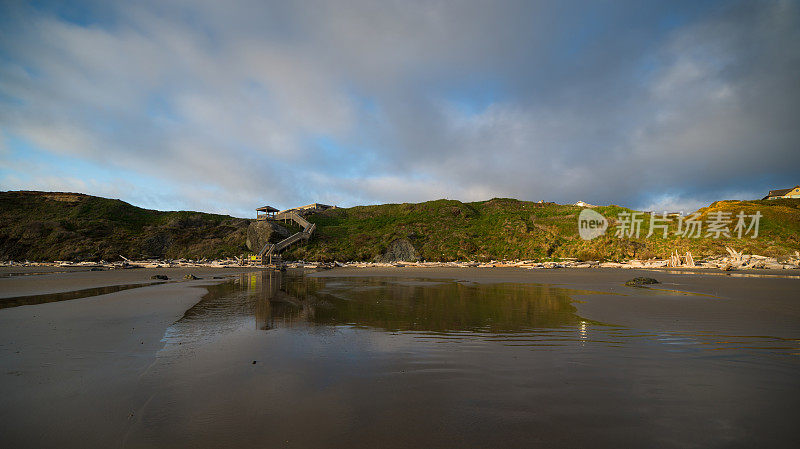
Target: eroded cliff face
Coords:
[[400, 250], [261, 232]]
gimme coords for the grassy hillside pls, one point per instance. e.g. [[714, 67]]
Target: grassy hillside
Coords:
[[501, 228], [60, 226], [45, 226]]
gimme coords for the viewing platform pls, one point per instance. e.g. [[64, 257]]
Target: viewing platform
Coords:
[[266, 213]]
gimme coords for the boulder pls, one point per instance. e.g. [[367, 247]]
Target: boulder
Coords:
[[641, 281], [400, 250], [261, 232]]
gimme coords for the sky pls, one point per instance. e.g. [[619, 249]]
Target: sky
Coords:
[[228, 106]]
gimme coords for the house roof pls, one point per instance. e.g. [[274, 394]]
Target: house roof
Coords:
[[780, 192], [267, 209]]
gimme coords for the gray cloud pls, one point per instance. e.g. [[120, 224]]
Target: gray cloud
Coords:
[[230, 104]]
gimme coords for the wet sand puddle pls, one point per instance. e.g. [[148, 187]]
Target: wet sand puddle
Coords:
[[270, 360], [69, 295], [37, 273]]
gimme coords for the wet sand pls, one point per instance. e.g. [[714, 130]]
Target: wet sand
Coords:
[[95, 372], [18, 281], [70, 369]]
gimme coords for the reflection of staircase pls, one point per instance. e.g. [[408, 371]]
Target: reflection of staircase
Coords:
[[270, 253]]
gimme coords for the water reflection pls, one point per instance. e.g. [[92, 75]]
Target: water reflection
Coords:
[[278, 300], [513, 314]]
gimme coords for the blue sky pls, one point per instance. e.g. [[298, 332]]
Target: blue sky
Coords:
[[225, 107]]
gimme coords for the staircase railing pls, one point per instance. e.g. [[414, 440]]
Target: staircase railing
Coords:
[[308, 228]]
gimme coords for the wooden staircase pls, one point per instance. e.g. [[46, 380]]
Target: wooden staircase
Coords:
[[270, 253]]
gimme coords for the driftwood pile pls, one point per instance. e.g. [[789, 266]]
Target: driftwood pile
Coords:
[[733, 261]]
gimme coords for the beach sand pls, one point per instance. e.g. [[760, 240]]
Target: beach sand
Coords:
[[71, 369]]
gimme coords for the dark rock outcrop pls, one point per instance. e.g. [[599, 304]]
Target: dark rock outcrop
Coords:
[[400, 250], [641, 281], [260, 232]]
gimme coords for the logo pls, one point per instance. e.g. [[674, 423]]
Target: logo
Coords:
[[716, 224], [591, 224]]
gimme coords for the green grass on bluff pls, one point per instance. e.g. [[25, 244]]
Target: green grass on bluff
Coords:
[[43, 226], [502, 228], [66, 226]]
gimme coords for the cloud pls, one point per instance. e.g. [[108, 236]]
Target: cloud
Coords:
[[235, 105]]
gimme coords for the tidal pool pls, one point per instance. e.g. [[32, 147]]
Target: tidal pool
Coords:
[[28, 300], [275, 360]]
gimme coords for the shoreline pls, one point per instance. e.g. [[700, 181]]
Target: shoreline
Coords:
[[37, 280], [733, 261]]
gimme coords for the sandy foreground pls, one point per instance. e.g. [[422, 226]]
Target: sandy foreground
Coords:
[[71, 369]]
